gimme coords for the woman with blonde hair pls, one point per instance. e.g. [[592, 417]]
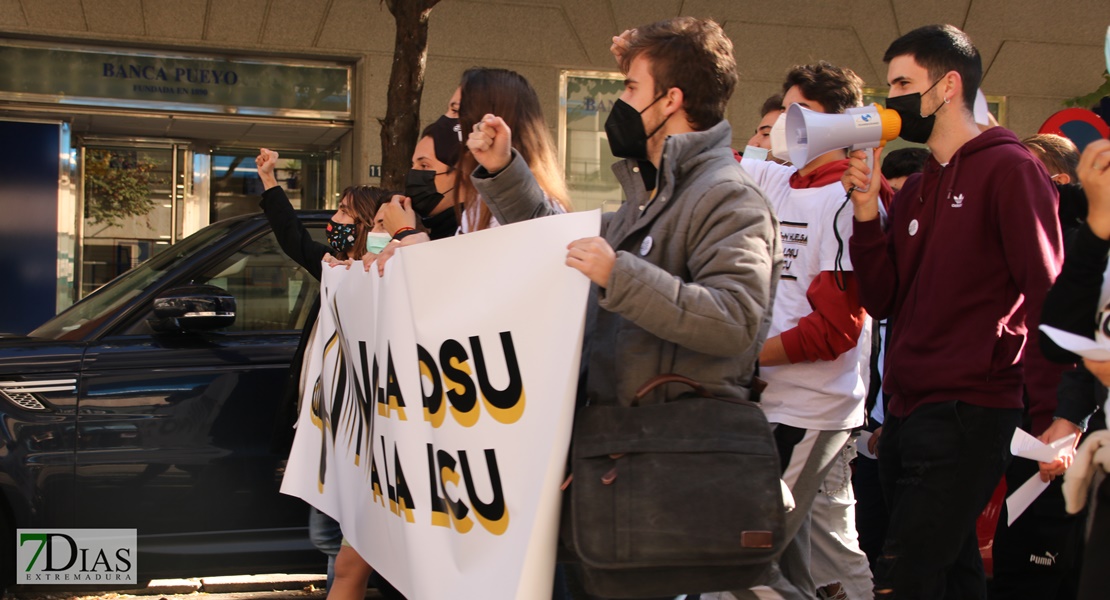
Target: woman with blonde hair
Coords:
[[508, 95], [486, 91]]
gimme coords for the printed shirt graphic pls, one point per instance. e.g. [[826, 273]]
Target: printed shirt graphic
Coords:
[[824, 395]]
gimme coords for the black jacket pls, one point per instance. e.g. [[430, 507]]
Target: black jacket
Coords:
[[297, 243], [1071, 305]]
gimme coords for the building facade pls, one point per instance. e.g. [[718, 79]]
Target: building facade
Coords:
[[155, 108]]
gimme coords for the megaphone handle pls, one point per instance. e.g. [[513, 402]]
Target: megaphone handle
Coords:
[[869, 152]]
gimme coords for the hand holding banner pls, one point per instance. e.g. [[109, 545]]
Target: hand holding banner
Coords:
[[438, 404]]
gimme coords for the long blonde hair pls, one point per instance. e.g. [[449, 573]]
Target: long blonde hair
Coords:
[[508, 95]]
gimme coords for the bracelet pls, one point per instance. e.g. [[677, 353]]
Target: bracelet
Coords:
[[404, 232]]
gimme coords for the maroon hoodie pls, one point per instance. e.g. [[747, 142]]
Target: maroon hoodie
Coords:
[[970, 252]]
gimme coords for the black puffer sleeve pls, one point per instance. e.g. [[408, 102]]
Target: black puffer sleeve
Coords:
[[294, 238]]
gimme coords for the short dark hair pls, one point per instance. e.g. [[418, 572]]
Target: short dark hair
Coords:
[[1056, 152], [904, 162], [836, 88], [693, 55], [447, 142], [770, 105], [940, 49]]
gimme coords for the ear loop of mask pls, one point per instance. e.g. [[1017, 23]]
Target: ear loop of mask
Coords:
[[656, 130], [446, 191], [939, 105]]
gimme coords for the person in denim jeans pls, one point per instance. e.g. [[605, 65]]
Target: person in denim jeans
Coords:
[[325, 534]]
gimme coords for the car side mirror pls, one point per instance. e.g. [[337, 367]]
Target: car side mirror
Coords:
[[193, 308]]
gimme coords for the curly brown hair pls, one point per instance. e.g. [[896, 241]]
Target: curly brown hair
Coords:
[[693, 55], [836, 88]]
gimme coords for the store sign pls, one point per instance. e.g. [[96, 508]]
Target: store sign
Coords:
[[586, 99], [71, 76]]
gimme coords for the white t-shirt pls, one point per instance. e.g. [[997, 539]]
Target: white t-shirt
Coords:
[[822, 395], [465, 226]]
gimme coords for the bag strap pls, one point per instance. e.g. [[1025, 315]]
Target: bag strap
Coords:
[[756, 388], [665, 378]]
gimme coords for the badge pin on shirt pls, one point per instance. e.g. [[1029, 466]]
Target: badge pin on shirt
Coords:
[[645, 246], [914, 227]]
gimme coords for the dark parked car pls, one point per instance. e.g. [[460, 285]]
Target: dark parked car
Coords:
[[151, 405]]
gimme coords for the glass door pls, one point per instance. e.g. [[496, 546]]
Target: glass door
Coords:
[[236, 189], [135, 200]]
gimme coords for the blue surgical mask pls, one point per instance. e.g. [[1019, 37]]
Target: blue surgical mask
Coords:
[[755, 153], [376, 242]]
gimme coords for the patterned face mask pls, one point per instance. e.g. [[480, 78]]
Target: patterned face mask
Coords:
[[341, 236]]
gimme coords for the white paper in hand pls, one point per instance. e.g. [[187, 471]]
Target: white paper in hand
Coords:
[[1023, 445], [1085, 347], [1026, 446]]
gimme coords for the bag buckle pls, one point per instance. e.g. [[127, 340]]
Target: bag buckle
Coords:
[[611, 475], [756, 539]]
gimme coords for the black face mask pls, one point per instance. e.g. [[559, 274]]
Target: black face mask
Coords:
[[625, 130], [420, 187], [341, 236], [915, 128]]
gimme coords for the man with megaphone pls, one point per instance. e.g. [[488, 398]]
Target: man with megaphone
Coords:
[[817, 353], [972, 246]]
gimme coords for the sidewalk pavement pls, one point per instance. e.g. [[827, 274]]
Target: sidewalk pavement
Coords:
[[239, 587]]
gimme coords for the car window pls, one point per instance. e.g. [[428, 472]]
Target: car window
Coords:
[[78, 320], [272, 293]]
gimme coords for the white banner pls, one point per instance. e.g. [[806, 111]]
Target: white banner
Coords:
[[438, 404]]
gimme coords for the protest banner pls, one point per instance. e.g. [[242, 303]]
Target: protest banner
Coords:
[[437, 408]]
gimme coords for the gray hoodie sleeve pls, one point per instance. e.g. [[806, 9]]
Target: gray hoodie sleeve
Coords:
[[512, 195], [733, 262]]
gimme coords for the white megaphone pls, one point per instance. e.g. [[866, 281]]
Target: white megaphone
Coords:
[[810, 134]]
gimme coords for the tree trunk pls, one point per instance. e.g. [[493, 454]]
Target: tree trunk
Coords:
[[406, 85]]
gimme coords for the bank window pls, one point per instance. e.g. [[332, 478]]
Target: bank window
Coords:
[[236, 189], [586, 97]]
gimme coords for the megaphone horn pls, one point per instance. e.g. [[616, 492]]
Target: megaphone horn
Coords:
[[810, 134]]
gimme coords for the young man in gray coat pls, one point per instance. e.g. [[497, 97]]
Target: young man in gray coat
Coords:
[[686, 269]]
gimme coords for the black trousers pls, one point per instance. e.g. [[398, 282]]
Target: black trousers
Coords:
[[871, 507], [1094, 582], [939, 466], [1039, 556]]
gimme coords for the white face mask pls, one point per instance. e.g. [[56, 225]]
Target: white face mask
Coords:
[[778, 139], [376, 242]]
